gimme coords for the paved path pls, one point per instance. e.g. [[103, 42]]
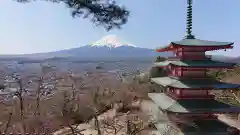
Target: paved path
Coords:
[[89, 130], [151, 109], [67, 130]]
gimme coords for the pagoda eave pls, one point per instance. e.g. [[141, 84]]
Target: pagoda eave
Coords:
[[196, 65], [166, 48], [205, 111], [200, 64], [193, 84], [205, 88], [196, 106], [200, 128], [174, 46], [204, 46], [201, 88], [197, 68]]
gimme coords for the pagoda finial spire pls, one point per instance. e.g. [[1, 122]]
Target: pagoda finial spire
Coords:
[[189, 21]]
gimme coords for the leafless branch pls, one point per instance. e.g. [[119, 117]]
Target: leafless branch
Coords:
[[74, 129], [113, 125], [19, 94], [134, 128], [8, 123]]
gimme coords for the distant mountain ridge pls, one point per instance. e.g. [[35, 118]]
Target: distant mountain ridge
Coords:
[[107, 47]]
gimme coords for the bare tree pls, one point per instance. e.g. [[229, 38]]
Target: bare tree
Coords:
[[47, 73], [67, 112], [99, 105], [38, 81], [20, 94], [39, 88], [112, 125], [74, 81], [124, 98], [97, 109], [134, 128], [8, 123]]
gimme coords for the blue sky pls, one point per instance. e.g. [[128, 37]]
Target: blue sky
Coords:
[[44, 27]]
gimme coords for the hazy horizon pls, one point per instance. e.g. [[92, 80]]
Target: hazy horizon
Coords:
[[45, 27]]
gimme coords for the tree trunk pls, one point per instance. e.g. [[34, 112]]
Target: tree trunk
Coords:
[[97, 125]]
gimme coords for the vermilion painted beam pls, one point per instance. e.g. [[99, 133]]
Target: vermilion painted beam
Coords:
[[206, 48]]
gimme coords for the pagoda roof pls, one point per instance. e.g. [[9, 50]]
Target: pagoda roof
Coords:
[[196, 43], [202, 127], [190, 105], [198, 63], [193, 83]]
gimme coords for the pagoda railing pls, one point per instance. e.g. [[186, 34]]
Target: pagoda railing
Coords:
[[208, 133], [194, 57], [174, 58], [175, 96], [187, 77], [186, 57]]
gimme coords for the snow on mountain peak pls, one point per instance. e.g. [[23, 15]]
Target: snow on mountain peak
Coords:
[[111, 41]]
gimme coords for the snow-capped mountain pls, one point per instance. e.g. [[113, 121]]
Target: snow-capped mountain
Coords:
[[111, 41], [107, 47]]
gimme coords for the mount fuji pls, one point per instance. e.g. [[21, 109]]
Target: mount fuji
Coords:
[[111, 41], [108, 47]]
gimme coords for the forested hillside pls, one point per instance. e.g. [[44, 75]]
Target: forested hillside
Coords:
[[231, 76]]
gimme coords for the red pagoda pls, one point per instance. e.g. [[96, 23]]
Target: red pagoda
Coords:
[[187, 97]]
